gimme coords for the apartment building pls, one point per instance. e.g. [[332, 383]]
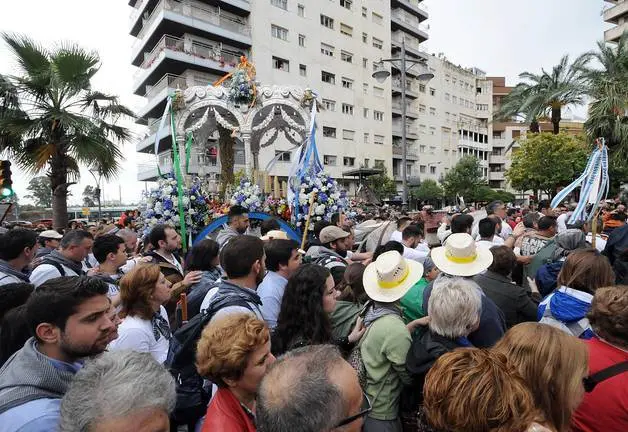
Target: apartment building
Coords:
[[616, 13], [330, 46]]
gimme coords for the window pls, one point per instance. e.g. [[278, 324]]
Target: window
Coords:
[[447, 96], [379, 162], [346, 56], [366, 162], [378, 139], [347, 83], [364, 11], [454, 99], [346, 4], [283, 4], [422, 169], [365, 113], [347, 109], [348, 134], [301, 40], [327, 50], [329, 160], [365, 37], [365, 62], [421, 149], [422, 128], [378, 92], [346, 30], [378, 43], [329, 104], [301, 10], [422, 109], [378, 115], [432, 111], [281, 64], [377, 18], [422, 88], [327, 21], [365, 88], [432, 130], [302, 70], [366, 138], [348, 161], [284, 156], [328, 78], [279, 32], [329, 132], [432, 91]]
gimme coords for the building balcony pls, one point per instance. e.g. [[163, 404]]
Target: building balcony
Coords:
[[473, 145], [496, 175], [412, 88], [498, 159], [411, 132], [412, 47], [147, 144], [397, 110], [411, 153], [175, 55], [409, 24], [177, 18], [411, 6], [614, 13], [613, 34]]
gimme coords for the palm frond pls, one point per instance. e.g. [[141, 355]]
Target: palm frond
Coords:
[[32, 58]]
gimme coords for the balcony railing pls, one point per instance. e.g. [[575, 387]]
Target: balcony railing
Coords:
[[173, 82], [410, 86], [198, 50], [202, 13]]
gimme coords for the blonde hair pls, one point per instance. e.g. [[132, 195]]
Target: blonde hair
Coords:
[[552, 363], [472, 389]]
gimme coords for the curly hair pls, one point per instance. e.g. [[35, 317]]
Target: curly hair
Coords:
[[586, 270], [473, 389], [351, 287], [552, 363], [225, 345], [301, 317], [609, 314], [136, 288]]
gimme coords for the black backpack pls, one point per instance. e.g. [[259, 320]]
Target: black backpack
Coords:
[[181, 360]]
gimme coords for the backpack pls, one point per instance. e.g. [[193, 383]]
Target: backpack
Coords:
[[591, 381], [53, 263], [181, 359]]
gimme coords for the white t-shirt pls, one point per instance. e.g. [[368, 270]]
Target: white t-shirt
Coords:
[[396, 236], [136, 334], [414, 254]]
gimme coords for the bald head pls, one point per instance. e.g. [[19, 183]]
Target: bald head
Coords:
[[315, 380]]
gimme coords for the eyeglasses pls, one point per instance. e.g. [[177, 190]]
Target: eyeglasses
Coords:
[[366, 408]]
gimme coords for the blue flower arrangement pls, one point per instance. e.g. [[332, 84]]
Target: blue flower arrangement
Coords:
[[247, 195], [329, 199]]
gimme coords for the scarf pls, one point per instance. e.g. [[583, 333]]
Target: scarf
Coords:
[[160, 327], [379, 310], [76, 267], [7, 269]]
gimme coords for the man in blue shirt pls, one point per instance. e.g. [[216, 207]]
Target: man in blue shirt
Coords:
[[282, 259], [71, 319]]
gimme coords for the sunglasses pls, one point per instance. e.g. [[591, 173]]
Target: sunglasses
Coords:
[[366, 408]]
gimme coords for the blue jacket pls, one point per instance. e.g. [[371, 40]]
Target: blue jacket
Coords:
[[546, 277], [566, 309]]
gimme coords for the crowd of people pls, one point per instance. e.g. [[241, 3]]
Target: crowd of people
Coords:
[[517, 321]]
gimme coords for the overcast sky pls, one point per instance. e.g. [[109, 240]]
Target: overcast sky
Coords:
[[501, 37]]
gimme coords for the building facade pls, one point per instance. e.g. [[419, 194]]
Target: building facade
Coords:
[[616, 13]]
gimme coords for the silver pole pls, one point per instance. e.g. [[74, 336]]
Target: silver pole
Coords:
[[404, 174]]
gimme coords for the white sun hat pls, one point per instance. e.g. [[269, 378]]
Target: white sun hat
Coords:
[[460, 256], [390, 277]]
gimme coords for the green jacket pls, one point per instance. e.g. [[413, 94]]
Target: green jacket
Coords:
[[384, 350], [343, 318], [412, 302]]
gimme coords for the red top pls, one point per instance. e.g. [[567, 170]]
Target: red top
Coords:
[[606, 408], [225, 414]]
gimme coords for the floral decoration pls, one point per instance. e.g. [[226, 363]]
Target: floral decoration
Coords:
[[329, 199], [247, 195]]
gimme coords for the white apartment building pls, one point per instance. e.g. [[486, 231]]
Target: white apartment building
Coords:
[[329, 46], [616, 13]]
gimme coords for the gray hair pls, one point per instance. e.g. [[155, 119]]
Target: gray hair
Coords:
[[297, 395], [116, 384], [126, 234], [454, 306], [74, 238], [492, 206]]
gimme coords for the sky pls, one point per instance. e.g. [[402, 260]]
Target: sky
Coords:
[[501, 37]]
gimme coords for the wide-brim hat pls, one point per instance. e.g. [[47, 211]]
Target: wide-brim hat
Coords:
[[50, 234], [275, 235], [461, 257], [390, 277]]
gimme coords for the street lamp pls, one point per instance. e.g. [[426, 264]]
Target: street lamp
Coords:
[[381, 74]]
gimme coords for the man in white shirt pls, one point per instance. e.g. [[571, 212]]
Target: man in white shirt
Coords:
[[498, 208], [488, 237], [402, 223], [411, 237]]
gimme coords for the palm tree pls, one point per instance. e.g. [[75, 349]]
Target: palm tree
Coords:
[[51, 120], [546, 94], [608, 113]]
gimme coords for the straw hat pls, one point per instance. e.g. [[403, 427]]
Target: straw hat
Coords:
[[460, 256], [390, 277], [275, 235]]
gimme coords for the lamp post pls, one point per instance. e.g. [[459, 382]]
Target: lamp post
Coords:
[[381, 74]]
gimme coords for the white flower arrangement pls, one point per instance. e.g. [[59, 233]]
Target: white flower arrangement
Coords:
[[329, 199], [247, 195]]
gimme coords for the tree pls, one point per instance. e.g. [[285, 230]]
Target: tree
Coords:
[[546, 94], [227, 158], [52, 120], [545, 162], [429, 190], [90, 196], [40, 191], [464, 179], [382, 186]]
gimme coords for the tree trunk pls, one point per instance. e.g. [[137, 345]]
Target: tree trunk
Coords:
[[59, 185], [534, 126], [226, 153], [556, 117]]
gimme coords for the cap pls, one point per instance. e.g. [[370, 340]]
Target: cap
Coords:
[[50, 234], [332, 233]]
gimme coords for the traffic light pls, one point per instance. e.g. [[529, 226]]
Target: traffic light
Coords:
[[6, 183]]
